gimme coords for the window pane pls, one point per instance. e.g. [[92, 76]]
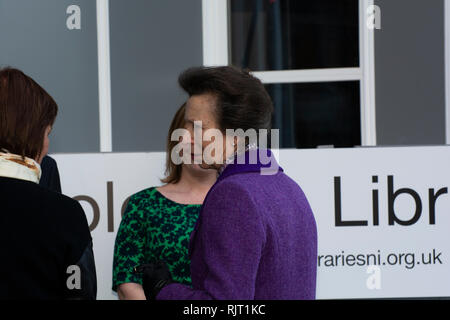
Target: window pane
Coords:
[[35, 39], [317, 114], [293, 34], [149, 49]]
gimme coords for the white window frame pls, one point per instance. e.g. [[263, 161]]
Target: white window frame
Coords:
[[215, 53], [104, 75]]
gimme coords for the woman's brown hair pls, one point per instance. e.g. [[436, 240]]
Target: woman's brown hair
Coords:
[[26, 110], [173, 171]]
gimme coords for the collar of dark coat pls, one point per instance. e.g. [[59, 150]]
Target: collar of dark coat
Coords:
[[255, 160]]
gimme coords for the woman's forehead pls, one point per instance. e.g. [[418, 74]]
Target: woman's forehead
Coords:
[[201, 108]]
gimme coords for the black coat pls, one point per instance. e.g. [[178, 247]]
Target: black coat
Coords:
[[45, 244], [50, 175]]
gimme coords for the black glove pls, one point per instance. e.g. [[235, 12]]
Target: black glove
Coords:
[[155, 276]]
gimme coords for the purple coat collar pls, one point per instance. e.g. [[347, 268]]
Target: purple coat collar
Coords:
[[237, 168], [249, 165]]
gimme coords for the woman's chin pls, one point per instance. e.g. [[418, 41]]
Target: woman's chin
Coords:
[[207, 166], [195, 166]]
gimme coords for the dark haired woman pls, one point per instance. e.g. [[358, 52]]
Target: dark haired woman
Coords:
[[256, 235], [45, 241], [158, 222]]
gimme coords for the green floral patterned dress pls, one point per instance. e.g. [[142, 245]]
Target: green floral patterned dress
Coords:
[[153, 227]]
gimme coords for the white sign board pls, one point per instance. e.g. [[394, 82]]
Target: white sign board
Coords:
[[383, 214]]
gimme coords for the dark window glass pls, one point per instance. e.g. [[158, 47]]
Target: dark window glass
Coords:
[[294, 34], [317, 114]]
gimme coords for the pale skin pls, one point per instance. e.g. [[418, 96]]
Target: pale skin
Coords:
[[202, 108], [45, 145]]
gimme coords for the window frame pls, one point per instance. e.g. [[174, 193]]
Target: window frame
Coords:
[[104, 75], [216, 53]]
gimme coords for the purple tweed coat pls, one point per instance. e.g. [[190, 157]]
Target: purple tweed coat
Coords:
[[255, 238]]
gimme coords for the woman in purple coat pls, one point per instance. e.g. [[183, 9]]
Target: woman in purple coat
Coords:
[[256, 235]]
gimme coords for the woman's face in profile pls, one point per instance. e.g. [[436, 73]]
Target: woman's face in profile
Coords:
[[202, 108], [45, 145]]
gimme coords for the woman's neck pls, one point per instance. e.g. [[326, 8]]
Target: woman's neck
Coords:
[[192, 187], [197, 181]]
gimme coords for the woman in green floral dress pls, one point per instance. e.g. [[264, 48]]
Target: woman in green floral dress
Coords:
[[158, 221]]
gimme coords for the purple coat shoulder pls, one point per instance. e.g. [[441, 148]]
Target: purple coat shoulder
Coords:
[[256, 238]]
